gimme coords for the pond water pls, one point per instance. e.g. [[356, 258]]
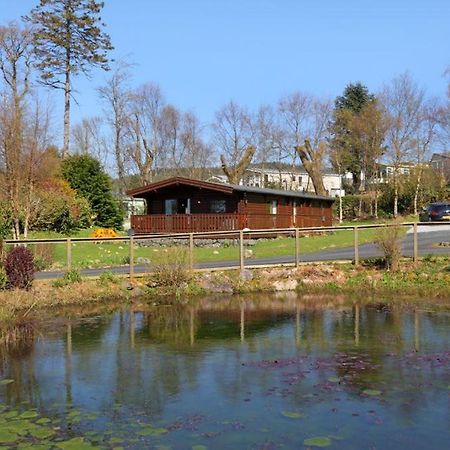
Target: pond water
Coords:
[[243, 373]]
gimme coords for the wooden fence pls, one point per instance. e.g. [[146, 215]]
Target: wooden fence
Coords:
[[239, 235]]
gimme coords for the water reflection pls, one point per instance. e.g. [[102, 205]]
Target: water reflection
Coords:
[[245, 360]]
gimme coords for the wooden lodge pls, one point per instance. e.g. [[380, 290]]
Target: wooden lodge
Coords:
[[181, 205]]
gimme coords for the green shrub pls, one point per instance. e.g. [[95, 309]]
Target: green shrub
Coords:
[[171, 268], [388, 240], [108, 277], [70, 277]]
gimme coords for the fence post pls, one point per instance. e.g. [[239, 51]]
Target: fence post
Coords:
[[241, 250], [191, 251], [415, 244], [131, 256], [355, 244], [69, 254], [297, 247]]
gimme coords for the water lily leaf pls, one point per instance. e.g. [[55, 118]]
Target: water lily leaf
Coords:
[[115, 440], [372, 392], [28, 415], [6, 381], [43, 421], [7, 436], [76, 444], [318, 441], [199, 447], [150, 431], [334, 379], [292, 414], [42, 433]]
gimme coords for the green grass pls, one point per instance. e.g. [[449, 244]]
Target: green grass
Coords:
[[107, 254]]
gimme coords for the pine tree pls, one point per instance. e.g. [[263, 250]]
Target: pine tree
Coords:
[[85, 174], [344, 143], [68, 40]]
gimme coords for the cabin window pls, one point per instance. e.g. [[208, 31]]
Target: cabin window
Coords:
[[273, 206], [170, 206], [218, 206]]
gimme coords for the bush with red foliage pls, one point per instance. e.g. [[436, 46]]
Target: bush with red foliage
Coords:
[[19, 267]]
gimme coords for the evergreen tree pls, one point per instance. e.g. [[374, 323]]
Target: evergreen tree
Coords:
[[86, 176], [68, 40], [345, 143]]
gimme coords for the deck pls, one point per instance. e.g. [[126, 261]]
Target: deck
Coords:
[[192, 223]]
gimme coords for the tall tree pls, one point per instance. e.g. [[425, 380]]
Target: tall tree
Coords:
[[116, 96], [403, 102], [15, 68], [68, 40], [305, 124], [234, 135], [354, 99]]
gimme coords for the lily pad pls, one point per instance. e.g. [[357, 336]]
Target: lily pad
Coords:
[[7, 436], [29, 415], [150, 431], [372, 392], [42, 433], [43, 421], [317, 441], [292, 414], [76, 444], [199, 447], [6, 381], [334, 379]]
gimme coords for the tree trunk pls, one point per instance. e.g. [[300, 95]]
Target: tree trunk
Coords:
[[312, 162], [416, 193], [65, 151]]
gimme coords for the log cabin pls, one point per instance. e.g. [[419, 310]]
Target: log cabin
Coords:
[[184, 205]]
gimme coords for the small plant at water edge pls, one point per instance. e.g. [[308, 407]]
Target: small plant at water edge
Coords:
[[388, 240], [171, 268], [108, 277], [3, 278], [19, 267], [70, 277]]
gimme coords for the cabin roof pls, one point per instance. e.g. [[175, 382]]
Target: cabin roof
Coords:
[[221, 187]]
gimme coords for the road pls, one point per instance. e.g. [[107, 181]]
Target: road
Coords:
[[429, 239]]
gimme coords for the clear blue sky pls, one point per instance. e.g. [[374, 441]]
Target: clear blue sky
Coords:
[[205, 52]]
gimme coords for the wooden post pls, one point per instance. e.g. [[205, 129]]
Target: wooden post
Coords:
[[241, 250], [131, 255], [355, 243], [297, 247], [191, 251], [69, 254], [415, 244]]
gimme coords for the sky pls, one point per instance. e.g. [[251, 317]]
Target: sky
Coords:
[[204, 53]]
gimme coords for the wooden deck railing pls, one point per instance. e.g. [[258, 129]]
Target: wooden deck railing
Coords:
[[183, 223], [193, 223]]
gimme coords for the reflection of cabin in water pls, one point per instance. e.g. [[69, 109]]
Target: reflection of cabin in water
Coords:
[[187, 205]]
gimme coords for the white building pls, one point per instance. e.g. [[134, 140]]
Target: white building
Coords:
[[293, 180]]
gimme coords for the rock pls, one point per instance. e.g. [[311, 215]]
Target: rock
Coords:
[[246, 275], [248, 253], [285, 285], [142, 260]]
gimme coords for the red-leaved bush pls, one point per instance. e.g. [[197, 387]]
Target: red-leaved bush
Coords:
[[19, 267]]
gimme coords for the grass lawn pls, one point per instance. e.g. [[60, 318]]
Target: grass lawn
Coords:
[[107, 254]]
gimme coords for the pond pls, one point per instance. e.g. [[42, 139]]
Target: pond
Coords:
[[232, 373]]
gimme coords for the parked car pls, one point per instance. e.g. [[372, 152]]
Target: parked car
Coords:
[[435, 212]]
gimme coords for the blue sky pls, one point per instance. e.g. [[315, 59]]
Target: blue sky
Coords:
[[205, 52]]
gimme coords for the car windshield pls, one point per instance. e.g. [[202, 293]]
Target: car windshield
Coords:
[[439, 208]]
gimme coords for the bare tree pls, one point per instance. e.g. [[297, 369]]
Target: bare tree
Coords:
[[305, 121], [117, 98], [145, 136], [233, 134], [16, 57], [88, 138], [403, 101], [422, 140]]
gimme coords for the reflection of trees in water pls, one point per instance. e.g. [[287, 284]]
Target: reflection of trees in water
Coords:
[[143, 359]]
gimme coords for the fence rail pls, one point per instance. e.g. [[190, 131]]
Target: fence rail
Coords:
[[239, 235]]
